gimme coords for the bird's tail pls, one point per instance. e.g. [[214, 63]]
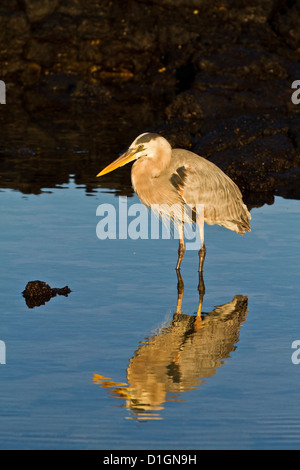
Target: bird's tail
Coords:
[[241, 225]]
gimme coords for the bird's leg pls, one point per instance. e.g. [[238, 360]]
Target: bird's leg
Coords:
[[202, 251], [201, 289], [181, 248], [180, 289], [202, 254]]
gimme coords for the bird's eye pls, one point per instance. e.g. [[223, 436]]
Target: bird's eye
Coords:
[[140, 148]]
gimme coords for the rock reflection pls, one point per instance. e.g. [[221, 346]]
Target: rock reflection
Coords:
[[179, 356]]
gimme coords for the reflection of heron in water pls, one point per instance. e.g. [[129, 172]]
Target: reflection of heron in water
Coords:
[[179, 356]]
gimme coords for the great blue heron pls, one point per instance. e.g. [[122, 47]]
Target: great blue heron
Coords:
[[168, 179]]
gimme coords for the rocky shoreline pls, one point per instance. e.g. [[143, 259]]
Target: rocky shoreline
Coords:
[[213, 77]]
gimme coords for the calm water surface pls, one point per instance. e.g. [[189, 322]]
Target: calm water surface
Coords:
[[122, 363]]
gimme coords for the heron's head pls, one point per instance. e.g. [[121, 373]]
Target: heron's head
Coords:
[[145, 145]]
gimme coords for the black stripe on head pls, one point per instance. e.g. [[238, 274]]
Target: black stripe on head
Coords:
[[146, 138]]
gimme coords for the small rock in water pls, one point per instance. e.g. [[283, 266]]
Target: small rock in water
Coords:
[[38, 293]]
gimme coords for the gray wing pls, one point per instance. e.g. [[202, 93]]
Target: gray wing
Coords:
[[200, 181]]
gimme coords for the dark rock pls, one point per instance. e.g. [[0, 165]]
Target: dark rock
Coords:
[[14, 32], [286, 22], [84, 78], [40, 52], [37, 293], [186, 105], [37, 10]]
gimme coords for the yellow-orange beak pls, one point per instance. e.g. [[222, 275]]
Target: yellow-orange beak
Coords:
[[122, 160]]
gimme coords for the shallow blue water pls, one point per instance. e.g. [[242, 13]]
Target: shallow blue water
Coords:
[[105, 368]]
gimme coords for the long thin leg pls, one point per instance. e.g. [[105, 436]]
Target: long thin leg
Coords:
[[202, 251], [180, 289], [181, 248], [201, 289]]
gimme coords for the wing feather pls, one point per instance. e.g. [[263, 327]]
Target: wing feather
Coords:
[[200, 181]]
